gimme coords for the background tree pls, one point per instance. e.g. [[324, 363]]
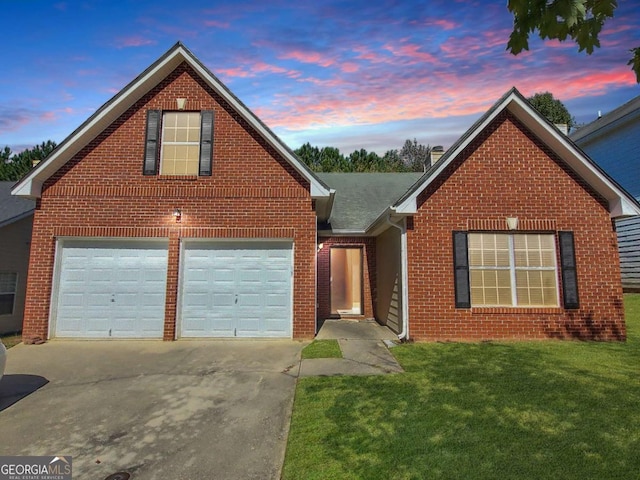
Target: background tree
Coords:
[[579, 20], [14, 166], [415, 156], [411, 158], [553, 109]]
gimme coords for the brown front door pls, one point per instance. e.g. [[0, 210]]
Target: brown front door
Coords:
[[346, 281]]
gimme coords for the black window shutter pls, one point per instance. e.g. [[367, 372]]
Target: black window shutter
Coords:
[[151, 143], [568, 266], [206, 142], [461, 270]]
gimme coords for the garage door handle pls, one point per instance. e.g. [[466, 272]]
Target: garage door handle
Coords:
[[236, 300]]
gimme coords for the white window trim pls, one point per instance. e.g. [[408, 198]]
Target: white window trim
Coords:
[[164, 142], [513, 269], [14, 293]]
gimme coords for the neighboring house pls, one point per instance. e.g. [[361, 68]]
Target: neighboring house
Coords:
[[174, 212], [16, 218], [613, 141]]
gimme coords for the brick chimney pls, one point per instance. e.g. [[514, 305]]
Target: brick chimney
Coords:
[[435, 154], [563, 127]]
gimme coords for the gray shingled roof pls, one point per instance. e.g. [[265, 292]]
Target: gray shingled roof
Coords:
[[13, 208], [361, 197]]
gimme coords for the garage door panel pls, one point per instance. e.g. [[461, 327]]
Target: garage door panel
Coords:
[[111, 289], [241, 279], [222, 300], [250, 301], [280, 300]]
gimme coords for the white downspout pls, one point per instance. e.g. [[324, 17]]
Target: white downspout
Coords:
[[404, 333]]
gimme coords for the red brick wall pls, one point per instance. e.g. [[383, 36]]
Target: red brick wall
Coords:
[[509, 173], [253, 193], [368, 246]]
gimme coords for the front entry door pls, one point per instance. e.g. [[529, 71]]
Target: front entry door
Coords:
[[346, 281]]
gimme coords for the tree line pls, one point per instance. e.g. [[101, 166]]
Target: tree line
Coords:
[[412, 157], [13, 166]]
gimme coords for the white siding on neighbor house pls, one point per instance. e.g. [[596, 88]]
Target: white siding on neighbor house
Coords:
[[14, 258], [615, 147], [629, 246]]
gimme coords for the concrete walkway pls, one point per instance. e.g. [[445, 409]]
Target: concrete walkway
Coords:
[[363, 349]]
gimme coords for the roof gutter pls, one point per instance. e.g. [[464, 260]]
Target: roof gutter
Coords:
[[404, 333]]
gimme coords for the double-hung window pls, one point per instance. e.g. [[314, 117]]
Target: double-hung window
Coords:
[[513, 269], [179, 143], [180, 150], [8, 284]]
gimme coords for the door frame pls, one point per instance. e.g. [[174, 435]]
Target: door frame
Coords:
[[361, 266]]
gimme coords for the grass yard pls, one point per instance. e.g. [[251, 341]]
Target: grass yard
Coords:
[[322, 349], [527, 410], [11, 339]]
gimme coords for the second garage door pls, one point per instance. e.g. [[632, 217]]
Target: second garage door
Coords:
[[236, 289]]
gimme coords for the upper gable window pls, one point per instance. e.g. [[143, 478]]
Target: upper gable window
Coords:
[[181, 143], [180, 152]]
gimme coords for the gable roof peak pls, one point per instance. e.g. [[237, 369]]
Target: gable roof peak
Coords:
[[620, 202], [31, 185]]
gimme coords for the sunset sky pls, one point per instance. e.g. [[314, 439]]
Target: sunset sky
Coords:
[[350, 74]]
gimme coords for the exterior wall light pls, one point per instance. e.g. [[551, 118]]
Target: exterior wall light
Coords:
[[178, 214]]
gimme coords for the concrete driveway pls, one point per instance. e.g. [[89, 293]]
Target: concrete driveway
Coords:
[[180, 410]]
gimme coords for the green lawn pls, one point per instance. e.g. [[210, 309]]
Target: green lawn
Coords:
[[532, 410], [322, 349], [11, 339]]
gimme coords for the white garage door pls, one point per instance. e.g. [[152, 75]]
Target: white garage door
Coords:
[[111, 289], [236, 289]]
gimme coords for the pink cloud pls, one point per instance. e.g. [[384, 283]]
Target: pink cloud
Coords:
[[252, 70], [48, 116], [326, 83], [349, 67], [12, 119], [580, 83], [216, 24], [443, 94], [237, 72], [308, 57], [88, 72], [443, 24], [365, 53], [609, 30], [133, 41], [412, 51], [569, 44]]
